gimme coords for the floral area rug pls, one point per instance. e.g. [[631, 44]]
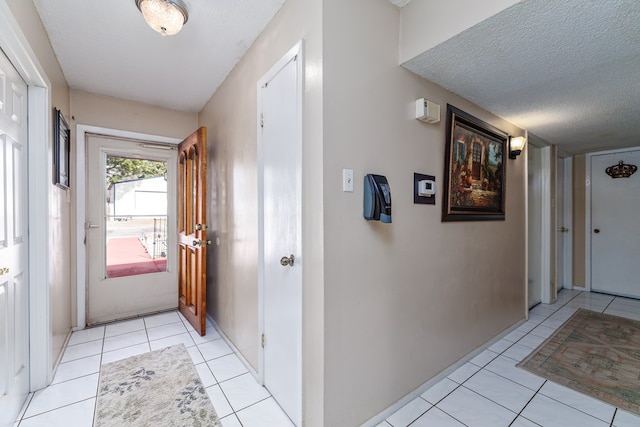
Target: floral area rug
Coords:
[[596, 354], [160, 388]]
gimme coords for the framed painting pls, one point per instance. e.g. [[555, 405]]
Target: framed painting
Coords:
[[61, 149], [474, 181]]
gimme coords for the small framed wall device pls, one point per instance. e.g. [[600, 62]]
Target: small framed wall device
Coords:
[[424, 189], [377, 198]]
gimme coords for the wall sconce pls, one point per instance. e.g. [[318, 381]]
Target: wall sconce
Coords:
[[165, 16], [516, 145]]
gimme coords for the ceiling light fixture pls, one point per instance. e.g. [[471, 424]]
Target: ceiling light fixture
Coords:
[[165, 16]]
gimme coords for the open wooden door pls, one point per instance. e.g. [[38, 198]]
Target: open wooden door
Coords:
[[192, 231]]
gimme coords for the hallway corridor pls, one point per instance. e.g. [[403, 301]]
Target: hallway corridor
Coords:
[[487, 391]]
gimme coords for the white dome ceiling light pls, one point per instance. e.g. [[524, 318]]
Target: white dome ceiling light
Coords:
[[165, 16]]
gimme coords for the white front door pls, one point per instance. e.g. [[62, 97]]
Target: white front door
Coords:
[[615, 235], [14, 303], [131, 228], [280, 172]]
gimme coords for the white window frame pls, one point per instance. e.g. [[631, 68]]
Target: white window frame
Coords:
[[80, 185]]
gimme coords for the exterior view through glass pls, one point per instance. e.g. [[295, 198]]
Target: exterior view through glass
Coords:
[[136, 216]]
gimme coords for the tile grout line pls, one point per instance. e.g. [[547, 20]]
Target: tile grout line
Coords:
[[95, 405], [527, 404], [607, 306], [218, 383], [615, 412], [54, 409]]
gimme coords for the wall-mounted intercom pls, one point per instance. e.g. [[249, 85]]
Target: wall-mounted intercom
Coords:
[[377, 198], [424, 189]]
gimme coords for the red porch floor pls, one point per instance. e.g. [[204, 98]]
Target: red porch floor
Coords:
[[127, 256]]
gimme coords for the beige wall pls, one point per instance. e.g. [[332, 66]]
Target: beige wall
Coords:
[[27, 16], [403, 301], [578, 234], [230, 117], [59, 201], [400, 302], [427, 23], [113, 113], [383, 304]]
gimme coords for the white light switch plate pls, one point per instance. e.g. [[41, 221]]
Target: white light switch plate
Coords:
[[347, 180]]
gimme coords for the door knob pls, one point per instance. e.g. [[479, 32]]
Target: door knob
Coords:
[[563, 229], [597, 230], [88, 225], [201, 242], [284, 261]]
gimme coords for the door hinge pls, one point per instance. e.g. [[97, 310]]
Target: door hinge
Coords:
[[261, 120], [262, 340]]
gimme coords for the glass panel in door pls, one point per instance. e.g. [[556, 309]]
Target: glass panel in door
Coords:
[[136, 217]]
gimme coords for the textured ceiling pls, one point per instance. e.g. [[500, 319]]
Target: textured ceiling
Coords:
[[568, 71], [106, 47]]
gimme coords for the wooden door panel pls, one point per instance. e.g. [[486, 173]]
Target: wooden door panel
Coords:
[[192, 238], [182, 278]]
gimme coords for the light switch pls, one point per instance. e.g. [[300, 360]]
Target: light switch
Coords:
[[347, 180]]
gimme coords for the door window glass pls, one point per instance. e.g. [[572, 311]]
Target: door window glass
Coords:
[[136, 216]]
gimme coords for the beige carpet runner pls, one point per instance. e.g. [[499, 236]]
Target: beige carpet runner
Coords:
[[596, 354], [160, 388]]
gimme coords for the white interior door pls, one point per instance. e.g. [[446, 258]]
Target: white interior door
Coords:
[[615, 235], [14, 303], [130, 229], [281, 151], [534, 224], [562, 230]]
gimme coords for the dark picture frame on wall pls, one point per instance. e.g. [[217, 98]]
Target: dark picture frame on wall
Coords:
[[61, 150], [474, 180]]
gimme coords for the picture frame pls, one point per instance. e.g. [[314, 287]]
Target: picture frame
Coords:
[[474, 180], [61, 150]]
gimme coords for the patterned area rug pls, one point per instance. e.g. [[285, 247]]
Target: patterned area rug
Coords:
[[161, 388], [596, 354]]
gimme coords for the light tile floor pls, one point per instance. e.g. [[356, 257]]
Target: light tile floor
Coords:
[[70, 400], [490, 391], [487, 391]]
